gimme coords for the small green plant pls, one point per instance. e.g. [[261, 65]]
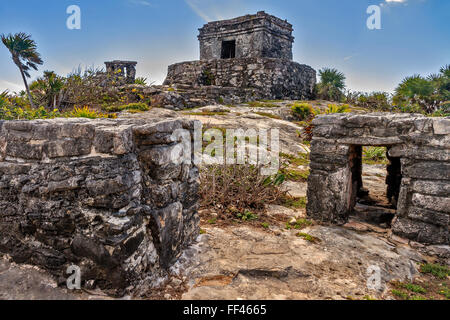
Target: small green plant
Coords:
[[417, 298], [295, 175], [441, 272], [202, 231], [410, 287], [301, 160], [298, 224], [303, 111], [265, 225], [445, 291], [334, 108], [141, 81], [86, 112], [212, 221], [374, 155], [247, 216], [294, 202], [400, 294], [308, 237]]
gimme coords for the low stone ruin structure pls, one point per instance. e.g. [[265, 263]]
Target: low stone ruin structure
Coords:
[[100, 194], [122, 70], [252, 54], [418, 174]]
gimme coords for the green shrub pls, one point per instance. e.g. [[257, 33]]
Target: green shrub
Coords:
[[18, 113], [333, 108], [303, 111], [441, 272], [85, 112]]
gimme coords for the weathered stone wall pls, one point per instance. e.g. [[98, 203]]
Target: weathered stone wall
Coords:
[[421, 144], [273, 78], [100, 194], [258, 35]]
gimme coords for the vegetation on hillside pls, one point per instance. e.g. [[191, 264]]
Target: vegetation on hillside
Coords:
[[415, 94]]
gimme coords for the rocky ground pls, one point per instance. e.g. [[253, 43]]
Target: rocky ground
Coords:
[[243, 262]]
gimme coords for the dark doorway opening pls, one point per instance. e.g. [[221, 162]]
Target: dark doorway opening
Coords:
[[228, 49], [376, 180]]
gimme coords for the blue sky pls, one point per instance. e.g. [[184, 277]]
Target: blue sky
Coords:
[[415, 35]]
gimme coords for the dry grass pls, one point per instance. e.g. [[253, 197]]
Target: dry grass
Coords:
[[238, 188]]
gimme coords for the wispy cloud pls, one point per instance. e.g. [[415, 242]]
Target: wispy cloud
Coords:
[[141, 3], [393, 2], [350, 57], [217, 10], [195, 7]]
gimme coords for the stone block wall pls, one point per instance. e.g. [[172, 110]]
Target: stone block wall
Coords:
[[422, 147], [100, 194], [258, 35], [272, 78]]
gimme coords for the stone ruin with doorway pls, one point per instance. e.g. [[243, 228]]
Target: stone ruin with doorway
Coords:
[[125, 70], [244, 59], [418, 178]]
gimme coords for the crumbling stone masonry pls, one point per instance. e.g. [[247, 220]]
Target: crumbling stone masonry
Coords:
[[122, 69], [100, 194], [250, 52], [418, 175]]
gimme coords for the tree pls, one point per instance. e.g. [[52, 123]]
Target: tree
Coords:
[[50, 88], [332, 84], [415, 90], [24, 54]]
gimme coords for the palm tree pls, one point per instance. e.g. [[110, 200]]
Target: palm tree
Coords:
[[416, 90], [24, 54], [332, 84]]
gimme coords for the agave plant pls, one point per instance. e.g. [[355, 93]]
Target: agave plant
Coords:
[[4, 101], [24, 54]]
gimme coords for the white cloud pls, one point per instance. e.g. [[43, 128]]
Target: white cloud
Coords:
[[11, 86]]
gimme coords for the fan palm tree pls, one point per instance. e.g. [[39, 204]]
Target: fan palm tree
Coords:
[[24, 54], [332, 84]]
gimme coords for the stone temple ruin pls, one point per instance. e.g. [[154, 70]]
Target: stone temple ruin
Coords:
[[122, 69], [418, 181], [100, 194], [249, 57]]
